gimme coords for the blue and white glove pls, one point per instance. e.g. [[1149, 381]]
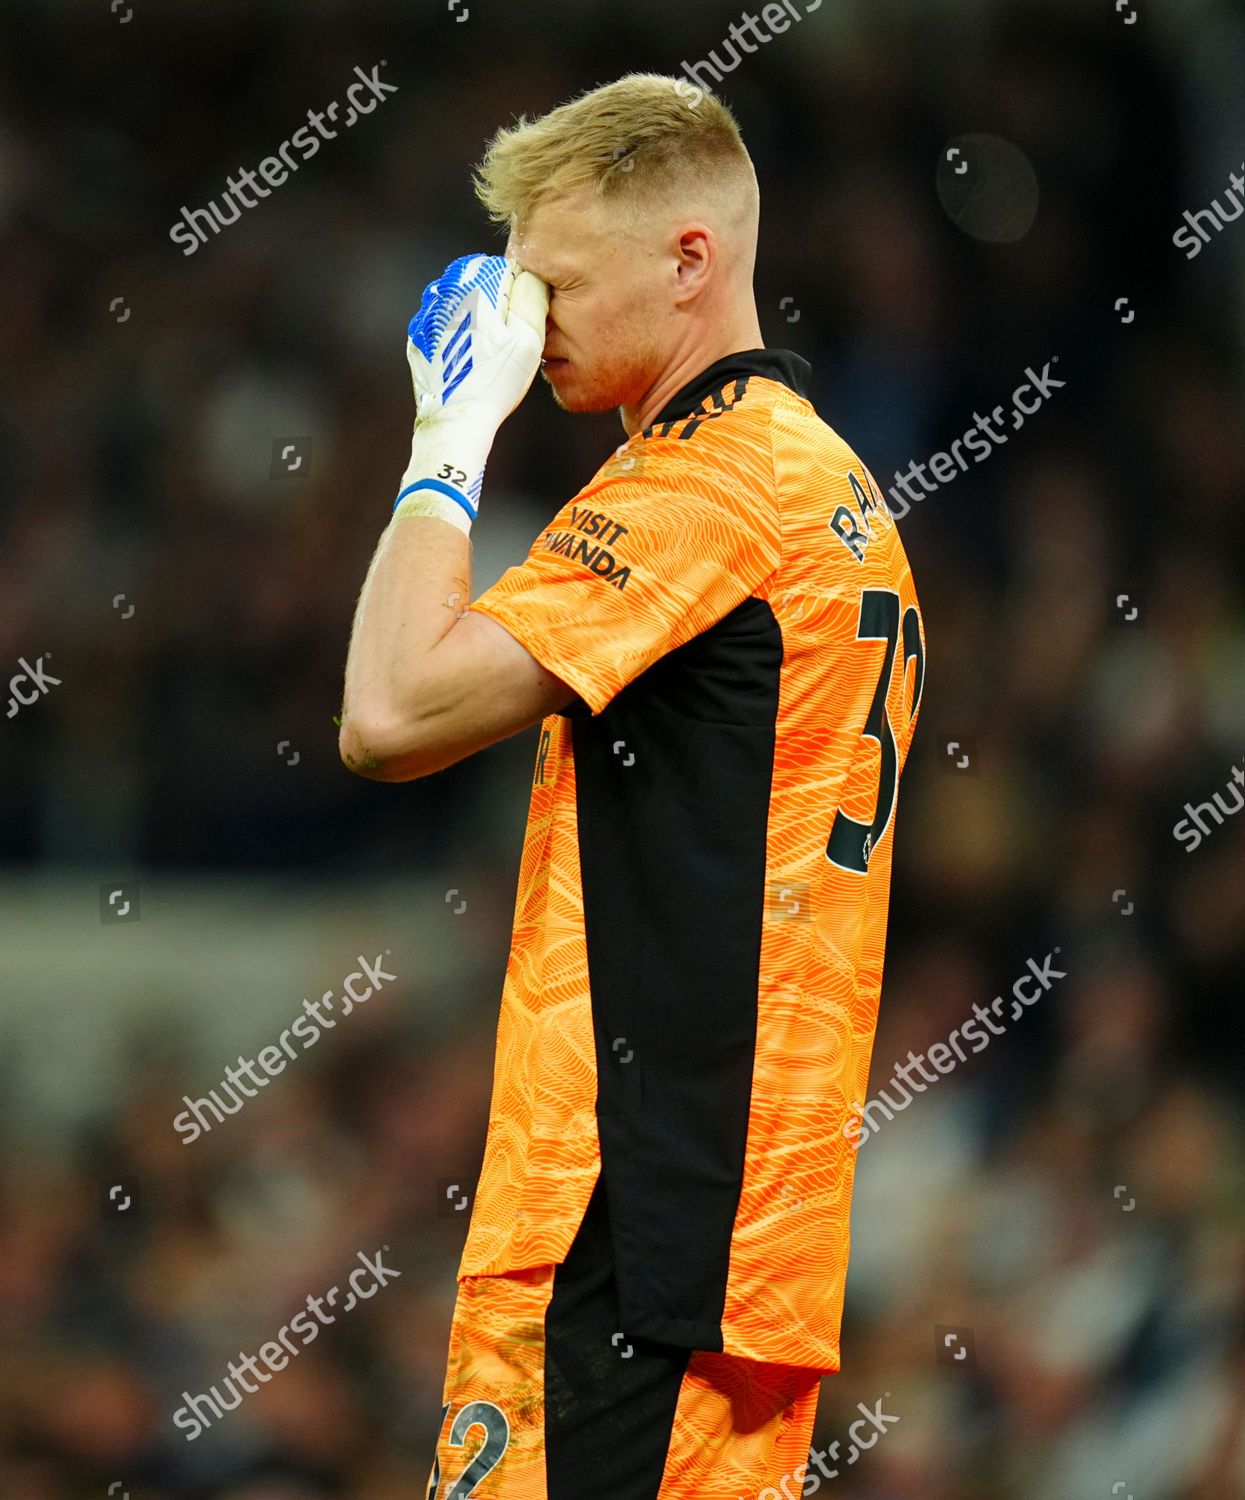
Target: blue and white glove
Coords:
[[474, 348]]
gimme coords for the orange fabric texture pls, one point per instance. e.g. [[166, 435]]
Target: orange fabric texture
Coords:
[[763, 501], [738, 1426]]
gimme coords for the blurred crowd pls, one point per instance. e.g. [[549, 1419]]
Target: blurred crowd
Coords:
[[1068, 1207]]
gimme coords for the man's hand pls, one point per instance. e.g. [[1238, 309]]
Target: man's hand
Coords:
[[474, 348], [426, 683]]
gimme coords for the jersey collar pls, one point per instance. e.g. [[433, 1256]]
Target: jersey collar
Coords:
[[783, 365]]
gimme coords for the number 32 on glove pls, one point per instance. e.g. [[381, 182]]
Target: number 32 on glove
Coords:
[[473, 348]]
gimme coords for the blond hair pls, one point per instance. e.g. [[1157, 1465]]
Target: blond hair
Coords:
[[644, 137]]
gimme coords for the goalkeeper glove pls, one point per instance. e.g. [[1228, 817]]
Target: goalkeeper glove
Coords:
[[474, 348]]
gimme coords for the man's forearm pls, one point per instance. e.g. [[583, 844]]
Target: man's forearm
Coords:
[[473, 349], [418, 584]]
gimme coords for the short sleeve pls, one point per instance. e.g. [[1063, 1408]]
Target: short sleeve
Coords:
[[637, 564]]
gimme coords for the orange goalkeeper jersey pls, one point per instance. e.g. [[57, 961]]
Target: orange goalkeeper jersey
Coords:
[[692, 988]]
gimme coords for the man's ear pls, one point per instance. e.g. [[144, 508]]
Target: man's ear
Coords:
[[696, 254]]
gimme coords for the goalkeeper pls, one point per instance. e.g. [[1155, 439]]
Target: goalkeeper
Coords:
[[720, 639]]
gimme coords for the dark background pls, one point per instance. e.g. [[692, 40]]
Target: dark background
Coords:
[[1072, 1201]]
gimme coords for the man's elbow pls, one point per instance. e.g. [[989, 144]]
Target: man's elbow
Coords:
[[382, 750]]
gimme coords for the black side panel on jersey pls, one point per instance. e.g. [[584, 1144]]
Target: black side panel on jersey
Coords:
[[673, 784]]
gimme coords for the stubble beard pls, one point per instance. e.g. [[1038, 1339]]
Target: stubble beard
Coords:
[[600, 395]]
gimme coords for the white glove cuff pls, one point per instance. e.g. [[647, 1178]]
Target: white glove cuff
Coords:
[[427, 502], [445, 474]]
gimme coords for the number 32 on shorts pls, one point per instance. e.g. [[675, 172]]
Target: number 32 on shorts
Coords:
[[496, 1440]]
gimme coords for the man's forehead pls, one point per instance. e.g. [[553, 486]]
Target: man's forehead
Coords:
[[552, 237], [536, 252]]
